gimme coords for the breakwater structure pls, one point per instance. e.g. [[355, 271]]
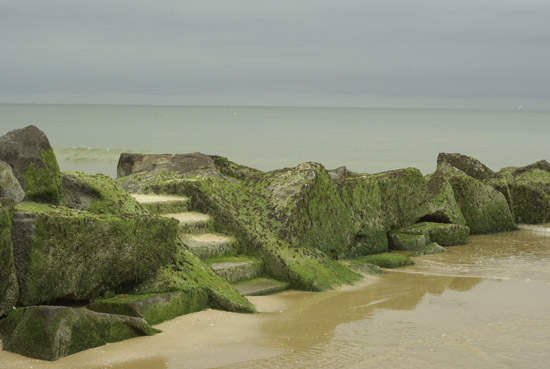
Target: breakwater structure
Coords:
[[86, 259]]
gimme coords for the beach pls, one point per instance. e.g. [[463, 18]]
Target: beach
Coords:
[[490, 310]]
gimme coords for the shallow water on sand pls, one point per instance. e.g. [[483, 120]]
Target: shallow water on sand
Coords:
[[482, 305]]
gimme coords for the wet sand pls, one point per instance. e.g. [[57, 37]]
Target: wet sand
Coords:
[[491, 311]]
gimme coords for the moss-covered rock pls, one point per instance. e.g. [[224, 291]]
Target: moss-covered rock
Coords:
[[484, 208], [406, 241], [67, 253], [363, 200], [52, 332], [430, 249], [443, 207], [307, 207], [154, 308], [9, 185], [384, 260], [187, 272], [528, 190], [233, 170], [471, 166], [380, 202], [33, 161], [9, 288], [443, 233], [98, 194], [248, 211]]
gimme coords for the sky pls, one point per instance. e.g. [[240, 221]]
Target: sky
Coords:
[[377, 53]]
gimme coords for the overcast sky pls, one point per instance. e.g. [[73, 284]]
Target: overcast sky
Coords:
[[476, 53]]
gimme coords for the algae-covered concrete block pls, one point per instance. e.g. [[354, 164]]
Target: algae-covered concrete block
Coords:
[[443, 233], [66, 253], [483, 208], [406, 241], [9, 185], [530, 193], [33, 161], [52, 332], [442, 207], [307, 207], [471, 166], [186, 272], [154, 308], [98, 194], [9, 288]]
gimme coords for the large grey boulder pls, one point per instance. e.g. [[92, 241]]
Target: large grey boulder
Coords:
[[33, 161], [9, 185], [194, 163], [52, 332]]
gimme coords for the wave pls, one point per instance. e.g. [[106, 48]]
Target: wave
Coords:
[[542, 228]]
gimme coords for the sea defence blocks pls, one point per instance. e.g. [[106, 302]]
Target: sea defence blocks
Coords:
[[66, 253]]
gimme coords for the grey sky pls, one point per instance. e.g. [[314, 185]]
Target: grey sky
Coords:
[[347, 52]]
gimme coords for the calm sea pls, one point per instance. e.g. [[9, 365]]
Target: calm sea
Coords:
[[90, 138]]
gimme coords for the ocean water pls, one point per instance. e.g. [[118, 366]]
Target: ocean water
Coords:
[[90, 138]]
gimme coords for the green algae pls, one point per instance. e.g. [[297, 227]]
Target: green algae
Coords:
[[443, 233], [233, 170], [9, 288], [186, 272], [155, 308], [384, 260], [104, 195], [52, 332], [66, 253], [44, 184]]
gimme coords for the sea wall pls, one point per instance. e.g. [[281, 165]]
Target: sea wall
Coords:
[[76, 239]]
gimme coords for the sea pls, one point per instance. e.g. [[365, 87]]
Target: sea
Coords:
[[90, 138], [481, 305]]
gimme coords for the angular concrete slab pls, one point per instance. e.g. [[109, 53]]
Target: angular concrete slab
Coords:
[[209, 245]]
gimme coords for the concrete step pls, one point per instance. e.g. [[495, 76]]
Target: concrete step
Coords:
[[209, 245], [162, 204], [192, 222], [236, 269], [260, 287]]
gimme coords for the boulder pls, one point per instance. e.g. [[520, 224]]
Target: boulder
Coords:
[[362, 197], [186, 272], [339, 173], [72, 254], [307, 207], [9, 288], [9, 185], [53, 332], [471, 166], [384, 260], [190, 164], [250, 213], [33, 161], [233, 170], [406, 241], [485, 210], [154, 308], [443, 207], [430, 249], [529, 189], [443, 233], [98, 194]]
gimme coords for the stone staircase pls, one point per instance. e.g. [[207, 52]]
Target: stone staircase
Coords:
[[217, 250]]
